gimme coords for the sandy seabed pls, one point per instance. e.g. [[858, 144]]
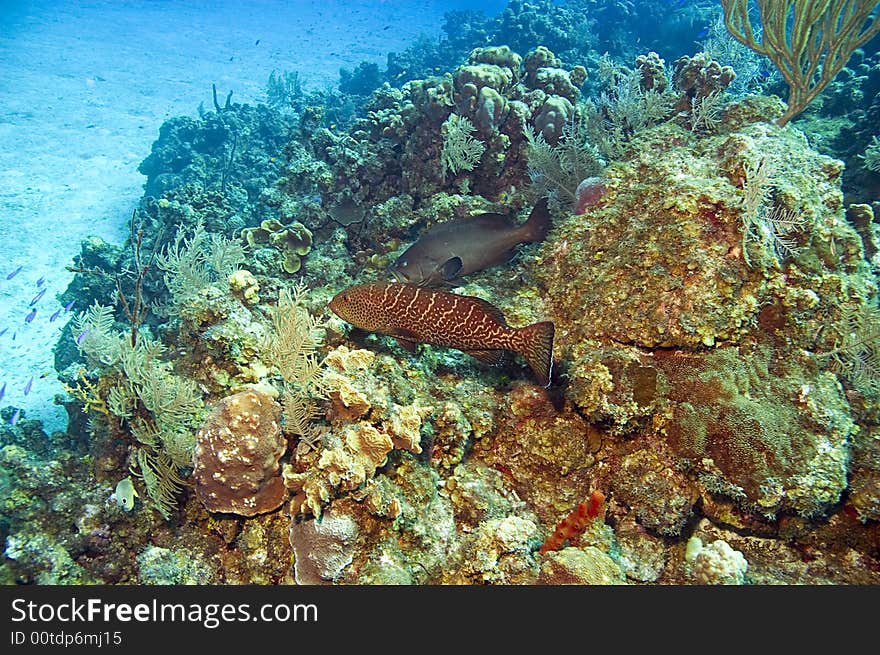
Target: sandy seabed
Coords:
[[84, 88]]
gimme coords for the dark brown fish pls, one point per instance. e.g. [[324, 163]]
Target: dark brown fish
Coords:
[[461, 246], [413, 315]]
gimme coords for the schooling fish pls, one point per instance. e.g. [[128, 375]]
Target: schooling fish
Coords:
[[14, 273], [37, 298], [14, 420], [31, 315], [2, 391], [69, 305], [464, 245], [413, 314], [27, 387], [55, 315]]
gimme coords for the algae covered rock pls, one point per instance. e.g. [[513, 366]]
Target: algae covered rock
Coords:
[[678, 256], [580, 566], [771, 438], [171, 566]]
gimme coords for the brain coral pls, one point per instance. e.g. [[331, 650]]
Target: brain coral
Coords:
[[236, 456]]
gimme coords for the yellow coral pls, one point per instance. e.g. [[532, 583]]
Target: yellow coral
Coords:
[[243, 282]]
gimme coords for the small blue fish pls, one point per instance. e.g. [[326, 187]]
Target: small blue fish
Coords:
[[2, 391], [14, 418], [14, 273], [3, 331], [40, 281], [31, 316], [36, 298], [703, 32], [69, 305], [55, 315], [27, 387], [81, 338], [13, 335]]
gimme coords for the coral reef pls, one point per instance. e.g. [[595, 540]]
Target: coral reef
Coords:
[[230, 150], [712, 413]]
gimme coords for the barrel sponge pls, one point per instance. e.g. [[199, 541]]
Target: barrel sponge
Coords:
[[236, 456]]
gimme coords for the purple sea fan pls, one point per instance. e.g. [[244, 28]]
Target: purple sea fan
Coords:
[[588, 193]]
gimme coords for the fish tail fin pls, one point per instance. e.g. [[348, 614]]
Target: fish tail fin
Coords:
[[536, 345], [538, 224]]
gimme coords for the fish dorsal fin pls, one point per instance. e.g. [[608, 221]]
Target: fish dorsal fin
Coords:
[[451, 268], [491, 357], [490, 309]]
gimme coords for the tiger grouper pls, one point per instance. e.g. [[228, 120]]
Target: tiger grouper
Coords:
[[413, 314]]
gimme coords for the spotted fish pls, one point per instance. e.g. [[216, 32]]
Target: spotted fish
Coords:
[[450, 250], [413, 314]]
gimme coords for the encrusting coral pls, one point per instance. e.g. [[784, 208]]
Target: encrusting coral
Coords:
[[357, 445]]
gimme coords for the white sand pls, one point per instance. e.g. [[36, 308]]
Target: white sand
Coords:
[[84, 87]]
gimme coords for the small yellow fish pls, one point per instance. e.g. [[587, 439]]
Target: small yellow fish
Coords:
[[125, 494]]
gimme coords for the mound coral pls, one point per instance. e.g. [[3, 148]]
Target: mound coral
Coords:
[[716, 563], [237, 453]]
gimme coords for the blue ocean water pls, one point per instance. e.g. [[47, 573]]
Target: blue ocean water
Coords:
[[84, 88]]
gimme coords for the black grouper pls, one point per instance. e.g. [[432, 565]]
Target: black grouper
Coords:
[[450, 250], [413, 314]]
